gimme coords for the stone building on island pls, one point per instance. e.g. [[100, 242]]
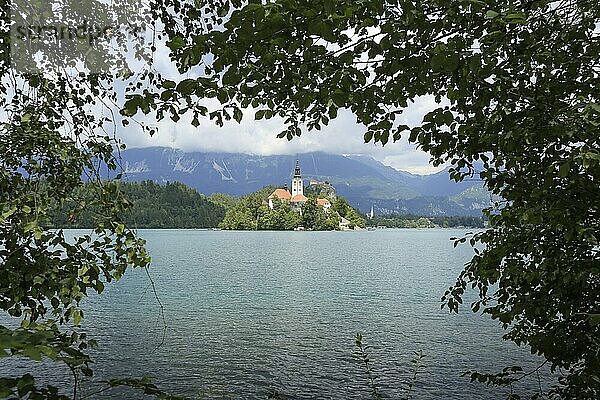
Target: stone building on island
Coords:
[[296, 198]]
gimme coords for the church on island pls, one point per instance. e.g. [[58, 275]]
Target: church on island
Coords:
[[296, 198]]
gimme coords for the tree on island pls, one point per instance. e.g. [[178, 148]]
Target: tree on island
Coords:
[[341, 206], [246, 213], [251, 212], [310, 213], [280, 218]]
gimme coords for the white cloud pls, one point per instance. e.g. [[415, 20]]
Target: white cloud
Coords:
[[343, 136]]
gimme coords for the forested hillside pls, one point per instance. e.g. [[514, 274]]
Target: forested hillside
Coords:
[[173, 205]]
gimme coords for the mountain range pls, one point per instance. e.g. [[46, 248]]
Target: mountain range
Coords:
[[362, 180]]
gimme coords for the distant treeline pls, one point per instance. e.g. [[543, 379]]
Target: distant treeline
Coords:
[[417, 221], [173, 205]]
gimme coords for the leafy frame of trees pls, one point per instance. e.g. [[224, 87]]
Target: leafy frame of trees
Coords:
[[516, 84]]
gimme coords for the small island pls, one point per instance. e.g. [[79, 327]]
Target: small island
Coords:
[[320, 209]]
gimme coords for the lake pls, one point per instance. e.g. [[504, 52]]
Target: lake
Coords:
[[249, 313]]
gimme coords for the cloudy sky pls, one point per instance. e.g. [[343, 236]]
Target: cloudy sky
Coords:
[[342, 136]]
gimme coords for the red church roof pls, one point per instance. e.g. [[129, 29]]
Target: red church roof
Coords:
[[299, 198], [281, 194]]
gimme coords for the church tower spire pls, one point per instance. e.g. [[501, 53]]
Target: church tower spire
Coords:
[[297, 169], [297, 184]]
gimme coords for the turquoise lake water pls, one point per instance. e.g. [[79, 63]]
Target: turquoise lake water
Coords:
[[251, 312]]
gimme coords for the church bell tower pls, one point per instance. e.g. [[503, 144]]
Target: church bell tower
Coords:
[[297, 185]]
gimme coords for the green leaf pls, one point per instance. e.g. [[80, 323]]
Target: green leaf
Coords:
[[25, 384], [167, 84], [32, 352], [564, 169], [9, 212], [77, 317], [260, 114], [187, 86], [339, 98], [120, 229], [82, 270], [131, 106], [594, 319], [238, 115], [516, 18], [176, 43], [222, 96], [452, 62], [31, 225], [230, 77]]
